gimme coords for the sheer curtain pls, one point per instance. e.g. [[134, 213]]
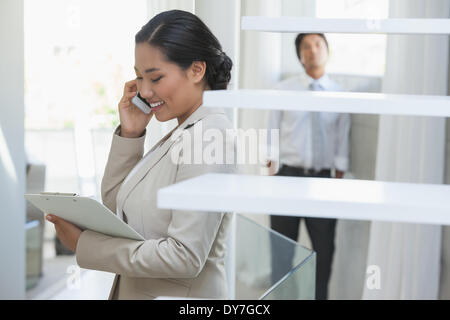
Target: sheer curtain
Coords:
[[411, 149]]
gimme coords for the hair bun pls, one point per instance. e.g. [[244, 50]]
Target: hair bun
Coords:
[[183, 38], [220, 73]]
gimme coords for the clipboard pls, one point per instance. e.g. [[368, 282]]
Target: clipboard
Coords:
[[84, 212]]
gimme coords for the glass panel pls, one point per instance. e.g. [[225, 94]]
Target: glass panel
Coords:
[[33, 253], [270, 265], [298, 284]]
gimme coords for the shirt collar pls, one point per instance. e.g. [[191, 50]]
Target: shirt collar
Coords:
[[324, 81]]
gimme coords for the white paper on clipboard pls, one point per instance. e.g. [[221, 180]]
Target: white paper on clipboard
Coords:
[[84, 212]]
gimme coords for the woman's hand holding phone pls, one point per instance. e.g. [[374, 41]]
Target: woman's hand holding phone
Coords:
[[132, 120]]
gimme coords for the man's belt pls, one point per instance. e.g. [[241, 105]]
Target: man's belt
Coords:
[[309, 171]]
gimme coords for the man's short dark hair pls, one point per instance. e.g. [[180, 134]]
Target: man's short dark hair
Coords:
[[299, 38]]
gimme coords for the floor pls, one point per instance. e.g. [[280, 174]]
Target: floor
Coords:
[[53, 279], [63, 279], [93, 285]]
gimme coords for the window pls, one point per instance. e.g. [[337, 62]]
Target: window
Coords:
[[362, 54], [78, 55]]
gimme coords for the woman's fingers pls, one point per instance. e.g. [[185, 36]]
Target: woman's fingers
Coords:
[[126, 99], [58, 222], [130, 86], [54, 219]]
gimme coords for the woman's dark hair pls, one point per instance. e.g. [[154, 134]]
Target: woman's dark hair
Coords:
[[183, 38]]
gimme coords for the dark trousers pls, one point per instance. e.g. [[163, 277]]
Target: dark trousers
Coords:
[[321, 232]]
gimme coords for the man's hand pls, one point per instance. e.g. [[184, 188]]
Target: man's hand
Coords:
[[66, 232], [272, 167]]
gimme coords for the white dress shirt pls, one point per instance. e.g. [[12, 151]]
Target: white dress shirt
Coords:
[[296, 138]]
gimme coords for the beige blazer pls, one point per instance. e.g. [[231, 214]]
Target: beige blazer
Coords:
[[183, 254]]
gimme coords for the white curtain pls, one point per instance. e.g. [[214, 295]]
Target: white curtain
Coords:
[[411, 149]]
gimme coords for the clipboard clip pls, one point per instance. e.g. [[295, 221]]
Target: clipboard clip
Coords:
[[58, 194]]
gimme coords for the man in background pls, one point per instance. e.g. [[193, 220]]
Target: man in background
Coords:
[[312, 144]]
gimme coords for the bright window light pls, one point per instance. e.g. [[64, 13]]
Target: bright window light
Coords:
[[78, 55], [362, 54]]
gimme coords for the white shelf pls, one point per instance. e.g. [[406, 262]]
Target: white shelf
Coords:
[[312, 197], [344, 102], [380, 26]]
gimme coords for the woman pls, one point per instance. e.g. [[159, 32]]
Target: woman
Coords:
[[177, 58]]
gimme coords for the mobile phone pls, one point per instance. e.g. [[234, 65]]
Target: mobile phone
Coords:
[[140, 102]]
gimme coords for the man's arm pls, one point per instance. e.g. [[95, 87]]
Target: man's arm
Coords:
[[342, 144], [273, 123]]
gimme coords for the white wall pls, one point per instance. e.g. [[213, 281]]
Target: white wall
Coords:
[[293, 8], [222, 17], [12, 154], [260, 65], [444, 289]]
